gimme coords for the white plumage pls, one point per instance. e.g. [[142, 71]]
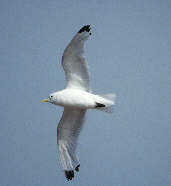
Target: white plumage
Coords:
[[76, 99], [74, 64]]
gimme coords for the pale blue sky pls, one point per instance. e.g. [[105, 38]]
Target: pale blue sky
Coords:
[[129, 53]]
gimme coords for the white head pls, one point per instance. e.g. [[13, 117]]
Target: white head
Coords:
[[50, 99]]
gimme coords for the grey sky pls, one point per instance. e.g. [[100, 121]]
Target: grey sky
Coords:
[[129, 53]]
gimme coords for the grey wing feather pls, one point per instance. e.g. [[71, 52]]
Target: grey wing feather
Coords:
[[67, 134], [73, 62]]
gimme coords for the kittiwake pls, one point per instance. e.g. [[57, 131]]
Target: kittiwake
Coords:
[[76, 98]]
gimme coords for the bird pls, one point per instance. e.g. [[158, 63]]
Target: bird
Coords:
[[76, 99]]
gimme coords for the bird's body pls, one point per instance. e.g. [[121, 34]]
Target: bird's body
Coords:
[[76, 98]]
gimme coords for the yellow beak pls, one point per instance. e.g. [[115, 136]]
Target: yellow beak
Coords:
[[44, 100]]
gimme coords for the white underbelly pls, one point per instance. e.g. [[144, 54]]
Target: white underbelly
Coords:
[[75, 98]]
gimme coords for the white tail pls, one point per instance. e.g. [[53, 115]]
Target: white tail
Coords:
[[108, 101], [111, 97]]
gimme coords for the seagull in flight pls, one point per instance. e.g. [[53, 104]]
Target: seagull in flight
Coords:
[[76, 98]]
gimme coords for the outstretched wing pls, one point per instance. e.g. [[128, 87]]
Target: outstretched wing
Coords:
[[73, 62], [67, 134]]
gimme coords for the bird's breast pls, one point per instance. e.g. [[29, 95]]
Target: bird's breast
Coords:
[[74, 98]]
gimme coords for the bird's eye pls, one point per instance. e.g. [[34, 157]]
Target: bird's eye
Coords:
[[51, 96]]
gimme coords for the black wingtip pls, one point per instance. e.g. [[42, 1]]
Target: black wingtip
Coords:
[[69, 175], [77, 168], [99, 105], [85, 28]]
